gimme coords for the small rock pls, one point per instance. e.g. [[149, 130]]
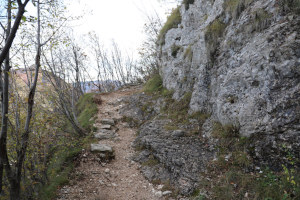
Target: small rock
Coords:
[[107, 170], [165, 193], [159, 187], [101, 182], [178, 133], [158, 194], [114, 185]]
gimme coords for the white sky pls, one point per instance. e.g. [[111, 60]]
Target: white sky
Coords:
[[120, 20]]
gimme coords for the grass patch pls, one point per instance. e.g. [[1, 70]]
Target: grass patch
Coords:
[[200, 116], [60, 167], [178, 110], [227, 131], [213, 32], [236, 7], [154, 84], [131, 122], [62, 161], [215, 29], [87, 109], [151, 162], [173, 20], [188, 54]]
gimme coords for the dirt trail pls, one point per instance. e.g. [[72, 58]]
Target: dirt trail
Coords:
[[120, 179]]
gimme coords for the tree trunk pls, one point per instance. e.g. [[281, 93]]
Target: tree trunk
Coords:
[[15, 190], [5, 103]]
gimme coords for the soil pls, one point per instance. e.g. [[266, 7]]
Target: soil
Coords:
[[119, 179]]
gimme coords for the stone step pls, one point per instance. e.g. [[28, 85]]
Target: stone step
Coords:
[[108, 122], [101, 148], [105, 134], [105, 152], [106, 126]]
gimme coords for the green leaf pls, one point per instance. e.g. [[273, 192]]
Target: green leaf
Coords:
[[24, 19]]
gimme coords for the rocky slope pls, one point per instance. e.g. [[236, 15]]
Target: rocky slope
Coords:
[[238, 61], [241, 61]]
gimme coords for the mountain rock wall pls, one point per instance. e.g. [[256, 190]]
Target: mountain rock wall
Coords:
[[241, 61]]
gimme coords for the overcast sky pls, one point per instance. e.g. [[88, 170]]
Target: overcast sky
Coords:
[[120, 20]]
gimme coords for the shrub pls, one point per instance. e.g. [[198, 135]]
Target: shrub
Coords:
[[215, 29], [172, 22], [174, 50], [154, 84]]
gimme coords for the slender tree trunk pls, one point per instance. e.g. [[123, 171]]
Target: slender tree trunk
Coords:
[[25, 137], [13, 31], [5, 103]]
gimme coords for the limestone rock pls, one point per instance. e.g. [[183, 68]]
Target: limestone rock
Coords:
[[101, 148], [165, 193], [106, 126], [108, 121], [105, 134]]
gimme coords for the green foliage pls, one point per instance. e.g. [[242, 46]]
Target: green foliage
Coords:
[[236, 7], [60, 167], [87, 109], [212, 34], [187, 3], [151, 161], [178, 110], [277, 186], [131, 122], [172, 22], [215, 29], [154, 84], [188, 54], [226, 131], [200, 116], [174, 50]]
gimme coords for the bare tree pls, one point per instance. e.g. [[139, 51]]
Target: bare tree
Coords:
[[14, 169], [64, 72], [4, 55]]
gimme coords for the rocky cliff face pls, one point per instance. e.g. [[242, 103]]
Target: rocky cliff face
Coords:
[[235, 66], [243, 65], [241, 61]]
